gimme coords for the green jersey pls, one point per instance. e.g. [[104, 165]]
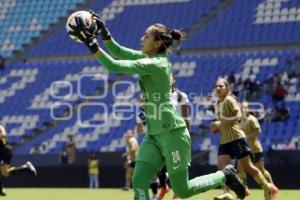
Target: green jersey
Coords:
[[155, 82]]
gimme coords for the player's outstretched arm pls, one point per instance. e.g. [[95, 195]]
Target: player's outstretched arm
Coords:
[[113, 46], [143, 66]]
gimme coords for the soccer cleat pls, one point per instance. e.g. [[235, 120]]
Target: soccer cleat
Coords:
[[234, 182], [31, 168], [2, 192], [163, 191], [125, 188], [270, 194], [225, 196]]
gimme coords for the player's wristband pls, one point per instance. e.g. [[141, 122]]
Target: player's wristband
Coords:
[[93, 45], [105, 34]]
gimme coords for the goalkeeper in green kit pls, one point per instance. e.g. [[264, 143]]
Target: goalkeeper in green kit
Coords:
[[167, 140]]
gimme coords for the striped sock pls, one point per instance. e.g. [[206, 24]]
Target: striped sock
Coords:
[[243, 177], [268, 176], [261, 181]]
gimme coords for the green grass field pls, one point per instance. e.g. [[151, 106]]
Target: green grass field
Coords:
[[117, 194]]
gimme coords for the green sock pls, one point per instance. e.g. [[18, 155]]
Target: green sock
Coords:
[[207, 182], [268, 176], [185, 188]]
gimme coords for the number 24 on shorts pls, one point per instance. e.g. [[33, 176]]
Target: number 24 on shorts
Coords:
[[176, 156]]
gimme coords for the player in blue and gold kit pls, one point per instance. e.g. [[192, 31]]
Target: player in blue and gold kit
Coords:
[[251, 127]]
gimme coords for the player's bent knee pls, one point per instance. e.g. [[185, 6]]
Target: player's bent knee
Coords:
[[181, 192]]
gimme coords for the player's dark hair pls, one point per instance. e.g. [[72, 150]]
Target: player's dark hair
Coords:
[[166, 35]]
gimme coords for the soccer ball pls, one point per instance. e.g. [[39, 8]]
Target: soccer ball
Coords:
[[88, 19]]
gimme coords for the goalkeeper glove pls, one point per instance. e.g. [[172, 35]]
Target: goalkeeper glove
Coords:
[[85, 34], [101, 28]]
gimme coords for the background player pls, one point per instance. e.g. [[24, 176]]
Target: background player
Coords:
[[5, 158], [251, 127], [167, 140], [182, 103], [233, 144], [130, 155], [93, 171]]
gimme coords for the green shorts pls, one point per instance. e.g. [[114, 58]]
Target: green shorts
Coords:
[[172, 148]]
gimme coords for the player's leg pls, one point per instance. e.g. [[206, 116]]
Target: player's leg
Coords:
[[242, 153], [128, 175], [242, 174], [259, 163], [96, 181], [91, 181], [254, 172], [7, 169], [27, 167], [176, 147], [154, 188], [185, 188], [125, 168], [180, 183], [2, 192], [142, 176], [224, 158], [96, 184], [149, 161], [5, 172], [162, 175], [270, 189]]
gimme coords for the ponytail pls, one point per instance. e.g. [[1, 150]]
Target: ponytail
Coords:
[[166, 36]]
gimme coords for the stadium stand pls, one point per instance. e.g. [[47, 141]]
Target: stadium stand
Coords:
[[22, 21], [251, 22], [118, 14], [197, 80]]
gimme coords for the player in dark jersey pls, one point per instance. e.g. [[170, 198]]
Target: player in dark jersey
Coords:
[[6, 169]]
